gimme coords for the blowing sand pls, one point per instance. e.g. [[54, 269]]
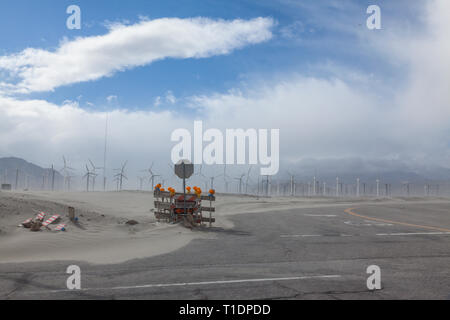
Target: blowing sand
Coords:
[[103, 237]]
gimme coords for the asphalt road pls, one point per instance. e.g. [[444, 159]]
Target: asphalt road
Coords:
[[320, 253]]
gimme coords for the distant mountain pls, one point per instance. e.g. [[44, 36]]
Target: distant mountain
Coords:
[[28, 175], [348, 169]]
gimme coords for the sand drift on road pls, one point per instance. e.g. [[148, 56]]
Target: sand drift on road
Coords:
[[103, 235]]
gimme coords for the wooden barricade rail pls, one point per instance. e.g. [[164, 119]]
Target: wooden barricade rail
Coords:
[[172, 207]]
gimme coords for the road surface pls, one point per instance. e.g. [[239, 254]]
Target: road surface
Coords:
[[320, 253]]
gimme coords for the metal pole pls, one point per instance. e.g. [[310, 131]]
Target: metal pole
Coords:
[[53, 179], [17, 179], [184, 188], [210, 212]]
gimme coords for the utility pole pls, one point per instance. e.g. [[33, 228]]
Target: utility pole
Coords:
[[337, 186], [357, 187], [53, 179], [314, 186], [292, 185], [17, 178]]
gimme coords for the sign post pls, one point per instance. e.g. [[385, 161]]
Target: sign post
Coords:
[[184, 169]]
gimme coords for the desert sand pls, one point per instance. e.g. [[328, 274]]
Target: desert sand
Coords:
[[103, 237]]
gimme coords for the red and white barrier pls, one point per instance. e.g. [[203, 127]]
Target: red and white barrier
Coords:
[[60, 227], [40, 216], [51, 220]]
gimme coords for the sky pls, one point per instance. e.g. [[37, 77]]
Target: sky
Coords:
[[334, 88]]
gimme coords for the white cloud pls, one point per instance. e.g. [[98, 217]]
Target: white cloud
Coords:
[[111, 98], [126, 47], [318, 118], [157, 102], [170, 98]]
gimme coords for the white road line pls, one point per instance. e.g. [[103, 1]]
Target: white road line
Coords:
[[321, 215], [378, 234], [368, 224], [184, 284], [315, 235], [413, 234], [301, 235]]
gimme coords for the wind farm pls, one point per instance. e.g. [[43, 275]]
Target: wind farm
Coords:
[[116, 226]]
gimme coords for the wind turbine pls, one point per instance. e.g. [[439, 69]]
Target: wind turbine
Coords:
[[292, 183], [69, 181], [94, 168], [407, 185], [120, 176], [141, 181], [240, 182], [88, 176], [200, 174], [248, 178], [226, 178], [152, 175], [66, 172], [211, 179]]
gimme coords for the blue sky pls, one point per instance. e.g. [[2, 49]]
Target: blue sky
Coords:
[[312, 40], [311, 68]]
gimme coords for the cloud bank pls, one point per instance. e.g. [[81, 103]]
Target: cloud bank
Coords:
[[126, 47]]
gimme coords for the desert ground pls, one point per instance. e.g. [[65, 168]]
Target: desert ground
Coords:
[[259, 248]]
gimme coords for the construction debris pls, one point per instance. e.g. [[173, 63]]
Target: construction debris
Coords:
[[51, 220], [71, 214], [37, 223], [60, 227], [27, 223], [36, 226], [40, 216], [187, 208]]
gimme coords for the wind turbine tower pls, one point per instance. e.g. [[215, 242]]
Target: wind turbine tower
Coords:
[[357, 187], [337, 186], [121, 175]]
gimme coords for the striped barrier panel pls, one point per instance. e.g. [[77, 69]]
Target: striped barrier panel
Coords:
[[40, 216], [60, 227], [51, 220]]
